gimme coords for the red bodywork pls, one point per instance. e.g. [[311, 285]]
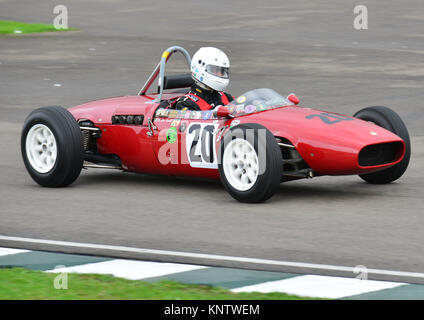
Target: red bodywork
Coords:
[[328, 147]]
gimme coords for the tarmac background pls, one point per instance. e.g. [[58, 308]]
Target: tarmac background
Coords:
[[309, 48]]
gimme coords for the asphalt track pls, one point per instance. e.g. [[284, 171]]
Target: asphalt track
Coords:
[[309, 48]]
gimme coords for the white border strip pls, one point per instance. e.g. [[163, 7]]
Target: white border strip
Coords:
[[321, 286], [130, 269], [213, 257], [8, 251]]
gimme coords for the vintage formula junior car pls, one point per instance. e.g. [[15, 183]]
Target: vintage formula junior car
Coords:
[[252, 144]]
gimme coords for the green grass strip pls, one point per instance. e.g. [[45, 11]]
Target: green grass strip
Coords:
[[23, 284], [16, 27]]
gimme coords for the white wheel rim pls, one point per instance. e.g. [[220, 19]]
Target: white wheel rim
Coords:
[[41, 148], [240, 164]]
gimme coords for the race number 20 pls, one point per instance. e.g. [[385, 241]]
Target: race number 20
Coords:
[[200, 144]]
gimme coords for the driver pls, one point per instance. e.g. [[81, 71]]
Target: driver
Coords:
[[209, 70]]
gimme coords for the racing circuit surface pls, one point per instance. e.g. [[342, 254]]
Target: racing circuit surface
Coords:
[[305, 47]]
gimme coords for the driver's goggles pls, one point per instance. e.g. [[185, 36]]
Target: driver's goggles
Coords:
[[221, 72]]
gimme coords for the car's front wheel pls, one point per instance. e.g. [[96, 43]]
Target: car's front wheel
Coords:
[[52, 147], [250, 163]]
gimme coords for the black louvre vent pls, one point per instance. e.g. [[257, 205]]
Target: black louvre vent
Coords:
[[128, 119]]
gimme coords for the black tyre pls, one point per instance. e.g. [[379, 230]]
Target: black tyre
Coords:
[[52, 147], [389, 120], [250, 163]]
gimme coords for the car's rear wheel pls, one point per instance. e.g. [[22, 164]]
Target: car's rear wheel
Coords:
[[250, 163], [389, 120], [52, 147]]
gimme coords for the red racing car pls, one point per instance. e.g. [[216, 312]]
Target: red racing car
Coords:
[[252, 144]]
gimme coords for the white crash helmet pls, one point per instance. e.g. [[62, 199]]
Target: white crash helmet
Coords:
[[209, 67]]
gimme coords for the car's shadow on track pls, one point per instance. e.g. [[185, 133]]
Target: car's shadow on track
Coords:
[[340, 190], [328, 188], [131, 178]]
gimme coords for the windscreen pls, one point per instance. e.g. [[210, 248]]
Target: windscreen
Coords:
[[257, 100]]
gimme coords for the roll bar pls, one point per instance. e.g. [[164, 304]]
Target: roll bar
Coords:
[[160, 70]]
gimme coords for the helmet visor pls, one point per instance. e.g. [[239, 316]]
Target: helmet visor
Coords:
[[221, 72]]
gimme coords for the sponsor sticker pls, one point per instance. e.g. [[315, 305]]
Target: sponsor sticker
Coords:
[[250, 108], [183, 126], [193, 97], [196, 115], [207, 114], [187, 114], [234, 123], [175, 123], [241, 99], [171, 135], [162, 112], [173, 114], [239, 108]]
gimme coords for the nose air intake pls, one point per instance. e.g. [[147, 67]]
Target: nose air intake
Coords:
[[378, 154]]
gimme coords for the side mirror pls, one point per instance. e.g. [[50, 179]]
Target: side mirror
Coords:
[[293, 98], [223, 112]]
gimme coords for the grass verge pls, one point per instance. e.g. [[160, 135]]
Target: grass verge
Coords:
[[8, 27], [23, 284]]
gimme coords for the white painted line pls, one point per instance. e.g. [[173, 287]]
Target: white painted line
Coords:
[[7, 251], [352, 270], [321, 286], [130, 269]]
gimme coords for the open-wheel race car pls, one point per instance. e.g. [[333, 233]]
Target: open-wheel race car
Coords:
[[252, 144]]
